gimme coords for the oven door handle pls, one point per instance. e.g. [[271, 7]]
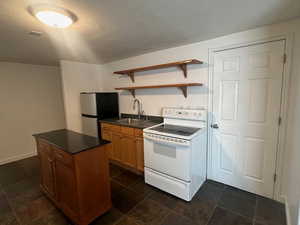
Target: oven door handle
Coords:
[[167, 142]]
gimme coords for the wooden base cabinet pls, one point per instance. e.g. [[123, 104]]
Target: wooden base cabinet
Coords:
[[47, 169], [126, 147], [79, 183]]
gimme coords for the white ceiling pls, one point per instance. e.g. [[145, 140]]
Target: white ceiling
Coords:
[[109, 30]]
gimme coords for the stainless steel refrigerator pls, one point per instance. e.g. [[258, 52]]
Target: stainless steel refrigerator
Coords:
[[97, 106]]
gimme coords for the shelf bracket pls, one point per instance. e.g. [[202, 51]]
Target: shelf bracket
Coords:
[[131, 75], [183, 67], [184, 91], [132, 92]]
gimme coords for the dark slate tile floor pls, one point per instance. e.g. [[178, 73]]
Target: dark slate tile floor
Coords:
[[134, 202]]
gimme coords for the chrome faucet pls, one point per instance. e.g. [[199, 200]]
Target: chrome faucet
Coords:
[[140, 111]]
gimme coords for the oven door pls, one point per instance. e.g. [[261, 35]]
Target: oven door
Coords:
[[173, 159]]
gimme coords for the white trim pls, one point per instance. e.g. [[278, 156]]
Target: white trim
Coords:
[[284, 105], [16, 158], [284, 113], [287, 211]]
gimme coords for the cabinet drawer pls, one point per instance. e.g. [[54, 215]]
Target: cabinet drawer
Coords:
[[111, 127], [127, 130], [138, 132], [63, 157], [105, 126]]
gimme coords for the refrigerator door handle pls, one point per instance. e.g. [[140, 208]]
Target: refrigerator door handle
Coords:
[[89, 116]]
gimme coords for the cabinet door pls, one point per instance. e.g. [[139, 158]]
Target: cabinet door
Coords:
[[140, 153], [47, 172], [128, 151], [117, 146], [66, 189], [107, 135]]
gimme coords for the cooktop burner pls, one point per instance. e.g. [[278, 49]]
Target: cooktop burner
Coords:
[[177, 130]]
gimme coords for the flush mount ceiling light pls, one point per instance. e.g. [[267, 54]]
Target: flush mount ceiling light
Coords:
[[53, 16]]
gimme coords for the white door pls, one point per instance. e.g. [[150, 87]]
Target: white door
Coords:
[[247, 84]]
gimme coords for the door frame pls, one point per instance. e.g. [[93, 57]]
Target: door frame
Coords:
[[288, 38]]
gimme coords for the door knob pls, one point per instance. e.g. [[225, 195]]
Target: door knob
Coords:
[[215, 126]]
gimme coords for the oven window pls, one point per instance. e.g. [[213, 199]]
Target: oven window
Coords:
[[165, 150]]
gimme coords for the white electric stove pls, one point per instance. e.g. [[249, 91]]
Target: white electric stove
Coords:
[[175, 152]]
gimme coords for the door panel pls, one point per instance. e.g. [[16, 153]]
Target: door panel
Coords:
[[47, 172], [246, 105], [255, 154], [259, 98], [128, 151], [107, 135], [117, 146], [66, 189], [229, 93]]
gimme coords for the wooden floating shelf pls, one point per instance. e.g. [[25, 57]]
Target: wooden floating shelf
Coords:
[[182, 87], [181, 65]]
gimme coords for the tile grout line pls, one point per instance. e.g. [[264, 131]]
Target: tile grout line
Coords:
[[217, 204], [148, 198], [118, 220], [127, 188], [213, 212], [186, 217], [138, 205], [174, 211], [12, 209], [255, 211], [236, 213]]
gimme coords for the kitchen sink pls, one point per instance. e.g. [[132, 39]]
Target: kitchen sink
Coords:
[[131, 120]]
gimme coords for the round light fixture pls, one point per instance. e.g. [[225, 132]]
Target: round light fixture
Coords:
[[53, 16]]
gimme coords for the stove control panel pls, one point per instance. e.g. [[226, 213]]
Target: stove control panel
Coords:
[[188, 114]]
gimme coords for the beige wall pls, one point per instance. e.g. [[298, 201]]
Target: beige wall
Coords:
[[154, 99], [78, 77], [197, 96], [30, 102]]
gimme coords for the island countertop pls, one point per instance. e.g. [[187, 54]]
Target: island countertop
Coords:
[[70, 141]]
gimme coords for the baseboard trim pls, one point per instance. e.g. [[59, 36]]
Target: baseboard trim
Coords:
[[16, 158], [287, 210]]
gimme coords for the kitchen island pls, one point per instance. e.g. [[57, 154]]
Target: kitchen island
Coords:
[[75, 173]]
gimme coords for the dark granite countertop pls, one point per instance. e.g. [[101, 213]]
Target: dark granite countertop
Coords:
[[70, 141], [141, 125]]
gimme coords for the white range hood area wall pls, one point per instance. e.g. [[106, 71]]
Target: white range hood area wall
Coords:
[[78, 77], [86, 77]]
